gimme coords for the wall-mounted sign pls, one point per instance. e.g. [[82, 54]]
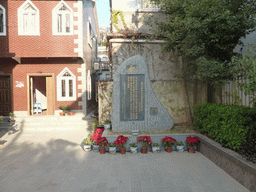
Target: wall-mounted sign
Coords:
[[19, 84]]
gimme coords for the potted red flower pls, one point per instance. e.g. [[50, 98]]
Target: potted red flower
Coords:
[[121, 141], [95, 137], [146, 141], [192, 142], [168, 142], [102, 142]]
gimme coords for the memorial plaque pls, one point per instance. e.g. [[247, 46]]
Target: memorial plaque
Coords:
[[132, 97], [135, 105]]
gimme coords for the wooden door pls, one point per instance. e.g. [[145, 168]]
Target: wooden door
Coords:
[[5, 95], [50, 95], [31, 96]]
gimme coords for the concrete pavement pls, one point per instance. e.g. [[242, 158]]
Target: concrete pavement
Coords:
[[51, 161]]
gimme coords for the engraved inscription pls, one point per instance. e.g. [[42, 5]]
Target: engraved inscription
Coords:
[[153, 111], [132, 102]]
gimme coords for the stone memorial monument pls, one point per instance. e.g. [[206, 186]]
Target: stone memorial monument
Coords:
[[135, 105]]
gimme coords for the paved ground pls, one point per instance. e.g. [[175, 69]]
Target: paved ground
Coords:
[[55, 161]]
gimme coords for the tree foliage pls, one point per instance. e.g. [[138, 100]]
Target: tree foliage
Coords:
[[205, 32], [245, 66]]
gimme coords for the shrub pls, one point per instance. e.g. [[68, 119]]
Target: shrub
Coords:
[[227, 124]]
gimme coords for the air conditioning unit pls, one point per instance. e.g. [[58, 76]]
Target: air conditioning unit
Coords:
[[96, 66]]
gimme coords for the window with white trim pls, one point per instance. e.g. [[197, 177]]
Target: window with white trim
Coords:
[[66, 86], [2, 21], [89, 85], [28, 19], [147, 5], [62, 19]]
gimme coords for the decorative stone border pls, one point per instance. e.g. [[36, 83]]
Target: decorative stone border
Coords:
[[233, 163]]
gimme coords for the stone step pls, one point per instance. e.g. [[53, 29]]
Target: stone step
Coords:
[[48, 123]]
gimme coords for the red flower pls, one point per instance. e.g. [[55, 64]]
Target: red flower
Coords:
[[102, 142], [192, 141], [121, 141], [146, 140], [168, 141]]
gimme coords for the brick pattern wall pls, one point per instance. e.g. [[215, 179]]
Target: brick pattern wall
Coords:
[[45, 45], [19, 76]]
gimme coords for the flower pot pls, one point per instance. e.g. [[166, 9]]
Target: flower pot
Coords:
[[112, 150], [133, 149], [122, 150], [102, 150], [107, 126], [72, 113], [191, 150], [95, 147], [61, 114], [169, 149], [144, 150], [156, 149], [87, 147], [180, 148]]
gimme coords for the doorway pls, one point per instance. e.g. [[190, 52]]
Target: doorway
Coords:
[[40, 94], [5, 95]]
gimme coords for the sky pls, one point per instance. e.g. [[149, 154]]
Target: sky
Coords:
[[103, 11]]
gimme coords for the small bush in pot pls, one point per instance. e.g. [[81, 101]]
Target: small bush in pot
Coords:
[[191, 143], [133, 147], [107, 124], [95, 137], [102, 142], [146, 141], [180, 146], [87, 144], [156, 147], [168, 142], [112, 148], [121, 142]]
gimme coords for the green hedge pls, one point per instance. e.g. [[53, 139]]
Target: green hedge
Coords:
[[227, 124]]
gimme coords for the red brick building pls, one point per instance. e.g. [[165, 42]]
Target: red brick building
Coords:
[[47, 49]]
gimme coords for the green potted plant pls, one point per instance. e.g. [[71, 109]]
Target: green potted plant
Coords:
[[191, 143], [133, 147], [112, 148], [11, 117], [95, 124], [156, 148], [107, 124], [146, 141], [168, 142], [102, 142], [87, 144], [180, 146], [66, 110], [121, 142]]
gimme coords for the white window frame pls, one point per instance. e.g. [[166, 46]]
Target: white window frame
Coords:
[[21, 11], [89, 85], [4, 22], [140, 8], [55, 13], [89, 32], [59, 86]]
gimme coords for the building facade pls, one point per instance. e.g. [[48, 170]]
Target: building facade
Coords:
[[46, 52]]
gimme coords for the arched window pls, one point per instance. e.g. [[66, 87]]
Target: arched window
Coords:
[[62, 17], [28, 19], [66, 86], [2, 21]]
